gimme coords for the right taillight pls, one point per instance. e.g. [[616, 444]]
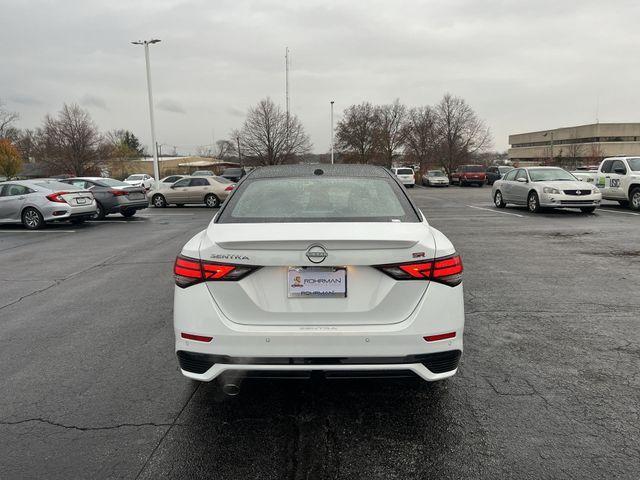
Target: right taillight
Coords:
[[446, 270], [57, 197], [189, 271], [118, 193]]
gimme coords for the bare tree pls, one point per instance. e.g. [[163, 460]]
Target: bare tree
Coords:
[[390, 131], [356, 132], [72, 143], [225, 148], [7, 119], [421, 141], [271, 137], [575, 150], [460, 130]]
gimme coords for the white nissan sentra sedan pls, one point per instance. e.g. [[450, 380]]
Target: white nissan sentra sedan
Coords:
[[327, 268]]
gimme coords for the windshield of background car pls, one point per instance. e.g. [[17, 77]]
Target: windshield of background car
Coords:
[[549, 174], [504, 170], [318, 199], [232, 171], [134, 177], [436, 173], [405, 171], [473, 168], [55, 185], [634, 164], [112, 182]]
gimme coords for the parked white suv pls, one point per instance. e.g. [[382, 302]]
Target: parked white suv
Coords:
[[618, 178], [406, 175], [326, 268]]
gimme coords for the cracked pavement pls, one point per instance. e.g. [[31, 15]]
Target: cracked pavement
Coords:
[[549, 385]]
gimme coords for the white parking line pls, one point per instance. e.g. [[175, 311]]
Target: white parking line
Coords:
[[495, 211], [168, 215], [37, 231], [616, 211]]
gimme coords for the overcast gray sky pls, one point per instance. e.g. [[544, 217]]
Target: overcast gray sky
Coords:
[[523, 65]]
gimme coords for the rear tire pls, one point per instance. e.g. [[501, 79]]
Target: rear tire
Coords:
[[32, 219], [634, 199], [212, 201], [100, 213], [158, 201], [624, 203], [498, 200], [588, 209], [533, 202], [128, 213]]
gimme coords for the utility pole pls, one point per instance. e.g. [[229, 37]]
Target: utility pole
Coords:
[[156, 166], [331, 132], [239, 155]]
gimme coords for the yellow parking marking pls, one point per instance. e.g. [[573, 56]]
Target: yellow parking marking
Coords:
[[495, 211]]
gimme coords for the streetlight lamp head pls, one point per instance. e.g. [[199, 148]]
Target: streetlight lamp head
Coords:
[[155, 40], [139, 42]]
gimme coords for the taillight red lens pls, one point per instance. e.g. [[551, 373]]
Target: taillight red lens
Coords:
[[440, 336], [189, 271], [119, 193], [57, 197], [229, 188], [447, 270], [198, 338]]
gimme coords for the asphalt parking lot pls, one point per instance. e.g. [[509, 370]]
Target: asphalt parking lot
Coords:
[[549, 386]]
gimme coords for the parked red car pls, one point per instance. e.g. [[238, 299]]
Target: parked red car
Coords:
[[469, 175]]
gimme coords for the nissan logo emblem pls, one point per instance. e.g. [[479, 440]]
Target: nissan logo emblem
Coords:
[[316, 254]]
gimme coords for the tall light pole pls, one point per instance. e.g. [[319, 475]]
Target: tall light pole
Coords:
[[331, 132], [156, 167]]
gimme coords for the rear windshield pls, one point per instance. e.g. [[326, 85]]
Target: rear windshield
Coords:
[[318, 199], [473, 168], [232, 171], [436, 173], [404, 171], [222, 180], [112, 182], [55, 185]]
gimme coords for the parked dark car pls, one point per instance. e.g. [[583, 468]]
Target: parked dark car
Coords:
[[469, 175], [496, 172], [112, 196], [234, 174]]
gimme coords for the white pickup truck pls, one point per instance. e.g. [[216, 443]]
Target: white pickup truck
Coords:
[[618, 178]]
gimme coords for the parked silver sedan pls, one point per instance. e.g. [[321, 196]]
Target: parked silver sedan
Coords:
[[36, 202], [435, 178], [545, 187], [211, 191]]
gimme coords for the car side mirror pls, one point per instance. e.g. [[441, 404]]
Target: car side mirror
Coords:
[[521, 180], [620, 171], [172, 186]]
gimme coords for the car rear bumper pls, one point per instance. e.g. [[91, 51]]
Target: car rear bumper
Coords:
[[300, 349], [429, 367], [134, 205], [63, 211]]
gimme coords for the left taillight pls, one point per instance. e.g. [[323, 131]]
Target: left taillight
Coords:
[[446, 270], [229, 188], [189, 271], [57, 197]]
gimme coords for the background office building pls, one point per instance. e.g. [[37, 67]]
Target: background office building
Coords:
[[575, 146]]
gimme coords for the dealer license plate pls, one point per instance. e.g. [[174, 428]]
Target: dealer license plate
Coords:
[[136, 196], [316, 282]]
